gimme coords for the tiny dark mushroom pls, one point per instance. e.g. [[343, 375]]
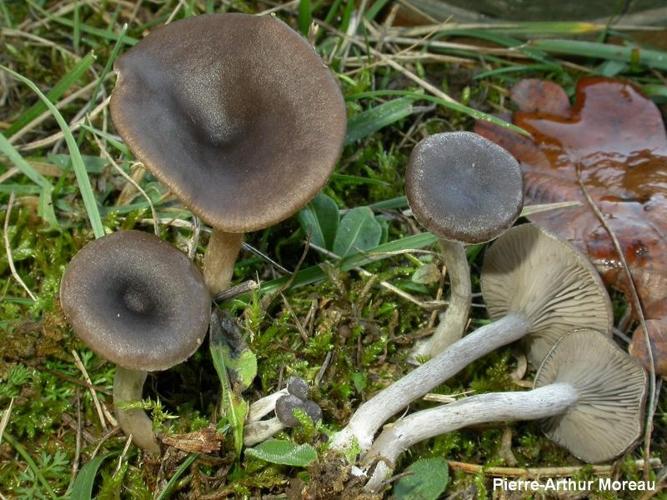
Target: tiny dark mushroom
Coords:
[[465, 189], [590, 393], [298, 387], [534, 285], [141, 304], [260, 430]]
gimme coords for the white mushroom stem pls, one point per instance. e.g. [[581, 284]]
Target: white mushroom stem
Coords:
[[375, 412], [219, 259], [261, 430], [262, 407], [547, 401], [452, 322], [128, 388]]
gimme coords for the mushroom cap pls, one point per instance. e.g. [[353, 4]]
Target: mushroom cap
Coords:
[[298, 387], [611, 388], [313, 410], [136, 301], [284, 408], [463, 187], [235, 113], [547, 280]]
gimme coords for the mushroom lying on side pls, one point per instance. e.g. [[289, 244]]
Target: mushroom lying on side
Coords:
[[548, 290], [590, 392], [141, 304], [465, 189], [238, 116]]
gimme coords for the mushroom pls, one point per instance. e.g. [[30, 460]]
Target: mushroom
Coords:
[[465, 189], [548, 290], [590, 392], [141, 304], [261, 430], [238, 116]]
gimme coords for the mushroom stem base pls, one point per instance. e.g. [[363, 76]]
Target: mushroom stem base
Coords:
[[453, 321], [219, 259], [261, 430], [396, 438], [128, 388]]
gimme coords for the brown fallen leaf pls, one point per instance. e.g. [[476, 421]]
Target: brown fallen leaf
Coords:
[[206, 440], [614, 139]]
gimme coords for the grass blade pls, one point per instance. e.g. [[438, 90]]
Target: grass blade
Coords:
[[31, 463], [305, 16], [376, 118], [54, 94], [77, 162], [171, 484], [82, 488]]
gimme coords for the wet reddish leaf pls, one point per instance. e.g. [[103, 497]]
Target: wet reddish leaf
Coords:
[[615, 137]]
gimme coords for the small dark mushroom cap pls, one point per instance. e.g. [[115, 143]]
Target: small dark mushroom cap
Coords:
[[463, 187], [611, 387], [298, 387], [285, 407], [313, 410], [136, 301], [546, 279], [236, 113]]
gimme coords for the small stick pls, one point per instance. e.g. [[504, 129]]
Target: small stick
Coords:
[[5, 418], [236, 290], [96, 402], [8, 249]]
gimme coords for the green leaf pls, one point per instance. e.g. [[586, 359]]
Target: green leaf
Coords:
[[305, 16], [82, 488], [236, 367], [46, 211], [284, 452], [358, 232], [374, 119], [77, 162], [426, 479], [93, 164], [426, 274], [320, 220]]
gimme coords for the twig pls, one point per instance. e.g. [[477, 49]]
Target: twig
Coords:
[[539, 472], [8, 249], [96, 402], [77, 450], [128, 442], [5, 418], [640, 313], [236, 290]]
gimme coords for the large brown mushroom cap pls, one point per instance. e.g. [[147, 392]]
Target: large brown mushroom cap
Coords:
[[235, 113], [136, 301], [611, 387], [463, 187], [546, 279]]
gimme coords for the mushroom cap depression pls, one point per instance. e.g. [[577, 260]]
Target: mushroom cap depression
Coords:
[[235, 113], [463, 187], [611, 388], [136, 301], [530, 272]]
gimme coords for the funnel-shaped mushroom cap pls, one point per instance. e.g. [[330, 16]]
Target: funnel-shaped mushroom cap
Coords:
[[463, 187], [611, 387], [237, 114], [136, 301], [530, 272]]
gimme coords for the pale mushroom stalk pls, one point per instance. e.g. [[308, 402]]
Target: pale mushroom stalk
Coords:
[[128, 388], [535, 287], [464, 189], [495, 407], [221, 254], [452, 322], [371, 415], [261, 430], [263, 406], [590, 393]]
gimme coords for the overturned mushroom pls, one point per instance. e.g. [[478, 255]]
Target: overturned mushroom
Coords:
[[141, 304], [238, 116], [465, 189], [548, 290], [590, 392]]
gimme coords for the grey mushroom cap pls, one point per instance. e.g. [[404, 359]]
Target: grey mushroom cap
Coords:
[[298, 387], [313, 410], [236, 113], [136, 301], [463, 187], [611, 389], [530, 272], [285, 407]]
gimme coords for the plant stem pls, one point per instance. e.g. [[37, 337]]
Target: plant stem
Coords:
[[544, 402], [219, 259], [374, 413], [128, 388], [453, 321]]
